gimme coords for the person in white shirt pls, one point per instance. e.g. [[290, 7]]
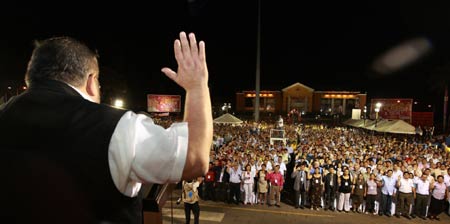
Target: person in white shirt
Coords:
[[274, 156], [436, 158], [269, 165], [248, 180], [235, 183], [396, 172], [254, 167], [280, 122], [427, 172], [289, 148], [259, 164], [447, 178], [129, 149], [438, 198], [282, 165], [406, 195], [422, 194], [388, 191]]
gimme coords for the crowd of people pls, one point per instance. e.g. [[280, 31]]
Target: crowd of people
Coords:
[[330, 168]]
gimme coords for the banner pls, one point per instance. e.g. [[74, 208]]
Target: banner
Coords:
[[163, 103], [393, 109]]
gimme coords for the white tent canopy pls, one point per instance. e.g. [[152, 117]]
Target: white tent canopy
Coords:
[[375, 125], [352, 122], [397, 126], [389, 126], [227, 119], [360, 123]]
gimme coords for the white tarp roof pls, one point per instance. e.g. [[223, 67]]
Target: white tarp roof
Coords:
[[375, 125], [227, 119], [397, 126], [360, 123], [389, 126]]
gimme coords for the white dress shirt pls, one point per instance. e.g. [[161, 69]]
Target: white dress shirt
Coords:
[[423, 188], [406, 185], [396, 174], [388, 185], [142, 152], [268, 165], [254, 170], [235, 175], [447, 180]]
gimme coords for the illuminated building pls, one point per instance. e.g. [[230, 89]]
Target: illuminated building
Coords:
[[302, 98]]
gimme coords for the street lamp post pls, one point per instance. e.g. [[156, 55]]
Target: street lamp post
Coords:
[[226, 107], [377, 110], [365, 115]]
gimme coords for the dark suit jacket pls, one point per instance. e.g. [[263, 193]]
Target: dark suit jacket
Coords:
[[301, 182], [328, 179]]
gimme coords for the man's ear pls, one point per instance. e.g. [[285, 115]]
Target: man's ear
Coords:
[[91, 85]]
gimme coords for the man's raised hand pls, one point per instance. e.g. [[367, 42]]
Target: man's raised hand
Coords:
[[192, 72]]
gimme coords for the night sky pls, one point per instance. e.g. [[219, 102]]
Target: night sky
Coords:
[[327, 46]]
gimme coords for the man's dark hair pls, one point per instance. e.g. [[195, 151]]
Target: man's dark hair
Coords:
[[60, 58]]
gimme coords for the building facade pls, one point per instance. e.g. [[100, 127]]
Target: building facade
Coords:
[[269, 101], [302, 98], [338, 102], [298, 96]]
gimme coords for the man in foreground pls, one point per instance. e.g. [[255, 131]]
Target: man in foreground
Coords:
[[69, 159]]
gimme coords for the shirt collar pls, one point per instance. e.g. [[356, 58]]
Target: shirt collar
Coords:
[[81, 93]]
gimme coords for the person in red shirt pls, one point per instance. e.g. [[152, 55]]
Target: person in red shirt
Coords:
[[276, 185]]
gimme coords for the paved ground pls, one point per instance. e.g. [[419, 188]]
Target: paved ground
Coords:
[[219, 212]]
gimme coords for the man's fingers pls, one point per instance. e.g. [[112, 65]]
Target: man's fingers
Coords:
[[185, 46], [202, 54], [177, 50], [193, 43], [169, 73]]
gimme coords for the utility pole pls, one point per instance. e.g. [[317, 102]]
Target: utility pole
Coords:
[[444, 126], [258, 63]]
